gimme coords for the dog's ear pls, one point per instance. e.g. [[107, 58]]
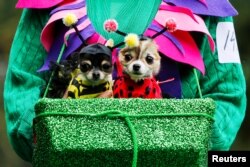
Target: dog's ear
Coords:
[[109, 43], [74, 58], [53, 66]]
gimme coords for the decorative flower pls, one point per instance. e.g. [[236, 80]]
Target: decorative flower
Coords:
[[70, 19], [132, 40], [111, 25], [171, 25]]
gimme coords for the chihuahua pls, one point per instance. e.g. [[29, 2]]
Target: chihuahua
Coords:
[[139, 64], [94, 76], [63, 73]]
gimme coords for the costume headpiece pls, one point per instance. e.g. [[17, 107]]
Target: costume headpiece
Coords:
[[70, 20], [132, 39]]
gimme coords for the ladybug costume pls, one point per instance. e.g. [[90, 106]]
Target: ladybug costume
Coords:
[[125, 87]]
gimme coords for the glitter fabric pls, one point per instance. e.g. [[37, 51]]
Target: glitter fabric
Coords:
[[76, 133]]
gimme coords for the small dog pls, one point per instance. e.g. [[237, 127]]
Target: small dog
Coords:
[[94, 76], [139, 64], [63, 73]]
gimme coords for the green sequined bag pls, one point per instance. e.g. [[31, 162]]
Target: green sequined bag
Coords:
[[122, 132]]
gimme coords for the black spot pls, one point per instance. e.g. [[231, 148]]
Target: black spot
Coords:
[[130, 88], [129, 94], [71, 94], [116, 95], [147, 90], [121, 93], [154, 90], [140, 83], [141, 96]]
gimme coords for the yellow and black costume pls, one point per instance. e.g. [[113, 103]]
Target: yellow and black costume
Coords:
[[79, 89]]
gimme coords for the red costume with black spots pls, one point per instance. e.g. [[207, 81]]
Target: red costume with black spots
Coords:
[[124, 87]]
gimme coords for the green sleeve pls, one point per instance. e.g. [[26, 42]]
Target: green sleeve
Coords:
[[225, 83], [22, 83]]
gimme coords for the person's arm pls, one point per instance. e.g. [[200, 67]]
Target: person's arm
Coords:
[[22, 83], [223, 82]]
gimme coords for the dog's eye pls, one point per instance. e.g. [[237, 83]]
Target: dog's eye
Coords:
[[128, 57], [149, 59], [85, 67], [106, 66]]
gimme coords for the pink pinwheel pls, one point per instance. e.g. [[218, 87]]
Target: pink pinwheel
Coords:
[[183, 49], [176, 43], [53, 43], [47, 36]]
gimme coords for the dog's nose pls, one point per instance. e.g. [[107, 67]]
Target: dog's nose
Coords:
[[96, 75], [136, 67]]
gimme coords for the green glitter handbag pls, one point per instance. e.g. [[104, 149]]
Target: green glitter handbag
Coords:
[[122, 132]]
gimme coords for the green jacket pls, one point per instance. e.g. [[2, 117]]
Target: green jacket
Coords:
[[224, 83]]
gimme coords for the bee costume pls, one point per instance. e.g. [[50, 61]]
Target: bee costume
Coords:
[[223, 82], [80, 89]]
